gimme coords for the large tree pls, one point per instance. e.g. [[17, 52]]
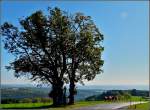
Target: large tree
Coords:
[[55, 49], [85, 53]]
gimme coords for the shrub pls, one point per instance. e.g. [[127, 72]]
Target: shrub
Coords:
[[26, 100]]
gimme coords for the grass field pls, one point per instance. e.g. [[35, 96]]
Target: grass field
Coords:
[[47, 105], [137, 98], [69, 107], [145, 106], [25, 105]]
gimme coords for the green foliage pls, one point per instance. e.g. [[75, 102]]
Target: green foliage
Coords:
[[127, 96], [25, 100], [9, 100], [24, 92], [44, 100], [143, 93], [120, 94], [55, 49], [36, 100], [50, 46], [91, 98]]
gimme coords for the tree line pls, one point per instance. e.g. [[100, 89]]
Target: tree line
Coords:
[[26, 100], [55, 48], [116, 95]]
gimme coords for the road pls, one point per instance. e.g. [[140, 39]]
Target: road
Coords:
[[111, 106]]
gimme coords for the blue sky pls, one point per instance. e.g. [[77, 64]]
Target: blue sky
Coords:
[[126, 35]]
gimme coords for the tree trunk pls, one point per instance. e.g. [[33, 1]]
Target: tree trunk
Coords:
[[71, 90], [54, 95], [60, 92], [64, 96], [72, 80], [57, 93]]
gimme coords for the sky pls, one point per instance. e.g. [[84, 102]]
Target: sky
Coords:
[[126, 35]]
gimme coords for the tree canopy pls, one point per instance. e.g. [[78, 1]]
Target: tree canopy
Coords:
[[55, 48]]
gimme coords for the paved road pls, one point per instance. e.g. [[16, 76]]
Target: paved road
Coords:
[[111, 106]]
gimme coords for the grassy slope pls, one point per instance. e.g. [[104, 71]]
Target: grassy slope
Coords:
[[145, 106], [46, 105], [137, 98], [25, 105]]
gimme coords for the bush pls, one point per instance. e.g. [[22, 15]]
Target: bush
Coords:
[[127, 96], [8, 101], [35, 100], [46, 100], [26, 100], [115, 94]]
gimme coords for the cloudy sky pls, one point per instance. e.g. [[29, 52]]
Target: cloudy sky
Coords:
[[125, 28]]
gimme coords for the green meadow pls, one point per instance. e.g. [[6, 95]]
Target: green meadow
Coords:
[[144, 106], [47, 105], [68, 107]]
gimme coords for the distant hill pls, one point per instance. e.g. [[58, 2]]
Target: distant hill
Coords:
[[23, 92], [114, 87], [32, 92], [119, 94], [99, 87], [83, 92]]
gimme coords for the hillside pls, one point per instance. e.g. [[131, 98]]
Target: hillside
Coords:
[[32, 92]]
